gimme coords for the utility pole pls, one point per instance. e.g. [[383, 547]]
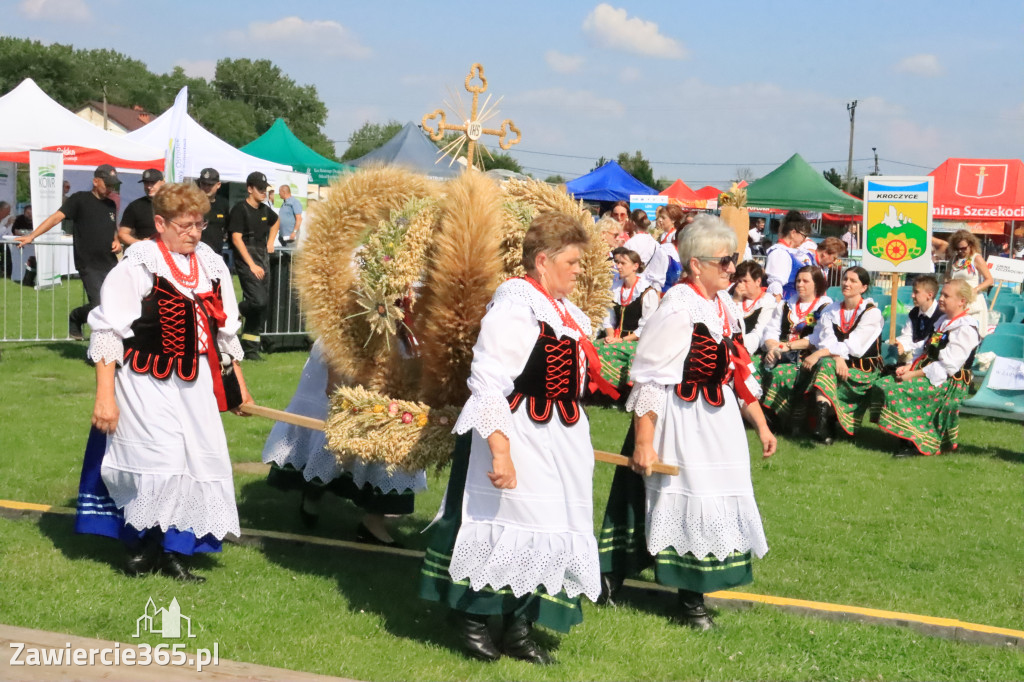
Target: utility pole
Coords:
[[107, 127], [852, 108], [874, 150]]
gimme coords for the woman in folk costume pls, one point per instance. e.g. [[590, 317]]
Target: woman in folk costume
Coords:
[[157, 472], [757, 308], [515, 535], [693, 386], [633, 302], [300, 459], [967, 263], [921, 403], [848, 360], [787, 343]]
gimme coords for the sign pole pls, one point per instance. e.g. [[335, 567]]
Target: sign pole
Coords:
[[992, 305], [894, 278]]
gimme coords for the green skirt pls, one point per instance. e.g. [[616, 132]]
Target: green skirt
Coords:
[[622, 544], [784, 387], [367, 497], [927, 416], [558, 612], [616, 359], [851, 398]]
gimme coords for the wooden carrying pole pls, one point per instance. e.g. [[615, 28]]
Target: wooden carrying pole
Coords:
[[319, 425]]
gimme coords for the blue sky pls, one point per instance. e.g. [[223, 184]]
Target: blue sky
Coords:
[[699, 88]]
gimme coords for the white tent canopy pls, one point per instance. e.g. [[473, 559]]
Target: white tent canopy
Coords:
[[30, 119], [206, 150]]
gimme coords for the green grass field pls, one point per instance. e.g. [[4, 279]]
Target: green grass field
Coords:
[[939, 536]]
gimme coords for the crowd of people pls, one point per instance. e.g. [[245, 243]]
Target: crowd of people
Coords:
[[698, 340]]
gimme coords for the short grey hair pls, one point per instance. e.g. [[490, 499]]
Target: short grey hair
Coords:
[[701, 238], [608, 224]]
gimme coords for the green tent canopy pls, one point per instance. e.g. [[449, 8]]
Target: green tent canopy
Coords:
[[279, 144], [796, 185]]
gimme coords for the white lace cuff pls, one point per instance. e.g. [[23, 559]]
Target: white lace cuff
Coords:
[[106, 346], [232, 346], [648, 397], [486, 414]]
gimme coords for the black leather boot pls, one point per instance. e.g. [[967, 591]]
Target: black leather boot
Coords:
[[693, 612], [823, 429], [173, 566], [145, 558], [476, 638], [610, 586], [516, 641]]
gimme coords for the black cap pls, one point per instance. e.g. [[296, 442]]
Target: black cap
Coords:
[[152, 175], [257, 180], [107, 174], [209, 176]]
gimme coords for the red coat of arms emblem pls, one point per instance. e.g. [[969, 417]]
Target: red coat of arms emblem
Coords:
[[978, 181]]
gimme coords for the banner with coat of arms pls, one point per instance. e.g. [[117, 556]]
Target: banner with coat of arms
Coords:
[[898, 223]]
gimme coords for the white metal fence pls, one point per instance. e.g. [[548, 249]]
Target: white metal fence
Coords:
[[38, 311]]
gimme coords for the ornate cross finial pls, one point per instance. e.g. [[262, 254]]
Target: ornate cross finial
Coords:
[[473, 123]]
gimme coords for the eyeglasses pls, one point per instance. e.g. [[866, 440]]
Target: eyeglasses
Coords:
[[185, 229], [619, 215], [723, 261]]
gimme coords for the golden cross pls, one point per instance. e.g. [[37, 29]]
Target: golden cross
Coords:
[[473, 123]]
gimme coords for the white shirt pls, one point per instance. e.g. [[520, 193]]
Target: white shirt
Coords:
[[774, 329], [963, 338], [620, 295], [906, 337], [867, 330], [779, 266]]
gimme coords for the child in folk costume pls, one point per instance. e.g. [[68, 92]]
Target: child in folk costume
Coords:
[[693, 386], [849, 357], [757, 307], [921, 403], [920, 324], [157, 472], [786, 344], [300, 459], [515, 535], [633, 302]]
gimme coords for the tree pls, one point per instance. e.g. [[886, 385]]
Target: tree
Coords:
[[555, 179], [833, 176], [637, 166], [744, 173], [600, 162], [370, 136], [271, 95]]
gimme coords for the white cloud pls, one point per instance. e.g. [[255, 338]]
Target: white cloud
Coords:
[[580, 102], [563, 63], [198, 68], [322, 37], [607, 26], [55, 10], [926, 65]]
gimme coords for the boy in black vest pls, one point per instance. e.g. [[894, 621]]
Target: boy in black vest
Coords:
[[921, 322]]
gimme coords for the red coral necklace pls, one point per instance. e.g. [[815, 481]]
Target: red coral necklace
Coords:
[[188, 281]]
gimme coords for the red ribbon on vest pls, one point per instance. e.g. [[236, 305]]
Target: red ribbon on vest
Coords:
[[743, 370], [595, 382], [213, 307]]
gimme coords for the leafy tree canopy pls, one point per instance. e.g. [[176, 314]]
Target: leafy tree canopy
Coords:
[[370, 136]]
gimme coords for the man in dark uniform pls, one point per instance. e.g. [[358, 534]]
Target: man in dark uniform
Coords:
[[95, 238], [138, 223], [217, 218], [253, 228]]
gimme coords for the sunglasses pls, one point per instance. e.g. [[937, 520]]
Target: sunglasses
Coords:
[[723, 261]]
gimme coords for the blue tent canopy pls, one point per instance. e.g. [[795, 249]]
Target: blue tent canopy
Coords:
[[413, 149], [610, 182]]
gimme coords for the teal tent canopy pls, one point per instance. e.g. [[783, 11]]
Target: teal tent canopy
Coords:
[[280, 144], [796, 185]]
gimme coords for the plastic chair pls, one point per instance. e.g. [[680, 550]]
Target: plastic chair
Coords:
[[1007, 312], [835, 293], [988, 402], [1003, 345], [903, 294], [1009, 329]]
